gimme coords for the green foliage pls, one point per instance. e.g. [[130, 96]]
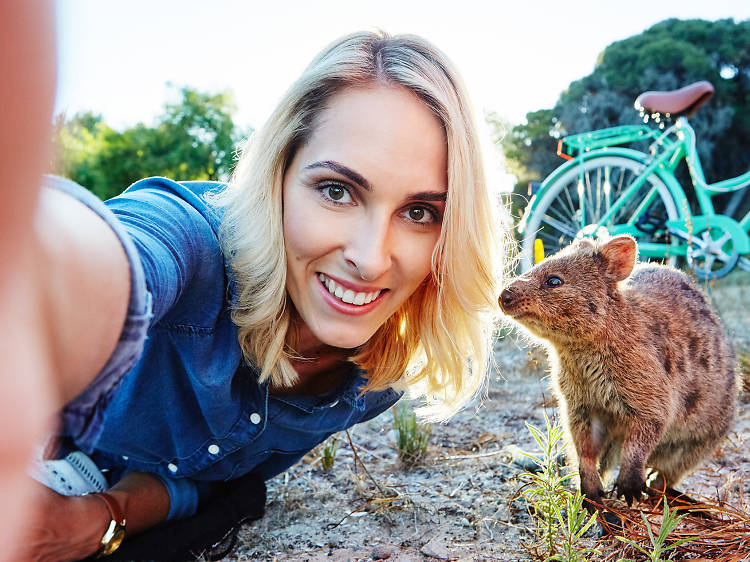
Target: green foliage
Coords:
[[193, 139], [659, 545], [669, 55], [574, 521], [744, 357], [559, 512], [526, 164], [540, 132], [412, 438], [329, 454]]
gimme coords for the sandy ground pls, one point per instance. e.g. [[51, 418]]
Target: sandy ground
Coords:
[[461, 502]]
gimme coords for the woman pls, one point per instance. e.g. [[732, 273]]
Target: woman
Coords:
[[353, 251]]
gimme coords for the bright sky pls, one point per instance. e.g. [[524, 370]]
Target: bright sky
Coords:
[[116, 56]]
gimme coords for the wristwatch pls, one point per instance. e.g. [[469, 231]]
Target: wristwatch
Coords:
[[116, 530]]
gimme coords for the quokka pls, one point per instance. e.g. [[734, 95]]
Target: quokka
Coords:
[[644, 374]]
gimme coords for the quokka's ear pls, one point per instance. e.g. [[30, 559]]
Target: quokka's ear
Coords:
[[618, 256]]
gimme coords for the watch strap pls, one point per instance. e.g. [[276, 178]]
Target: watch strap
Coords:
[[116, 528]]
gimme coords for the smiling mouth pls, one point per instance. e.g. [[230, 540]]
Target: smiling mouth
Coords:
[[348, 295]]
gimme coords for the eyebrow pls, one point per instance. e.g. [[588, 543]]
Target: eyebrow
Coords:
[[343, 170], [428, 196], [358, 179]]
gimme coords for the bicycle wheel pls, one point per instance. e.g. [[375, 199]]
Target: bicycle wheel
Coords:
[[583, 194]]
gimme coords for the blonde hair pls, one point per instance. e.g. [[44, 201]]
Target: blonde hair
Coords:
[[438, 343]]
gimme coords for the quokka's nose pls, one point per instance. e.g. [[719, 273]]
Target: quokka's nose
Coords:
[[506, 299]]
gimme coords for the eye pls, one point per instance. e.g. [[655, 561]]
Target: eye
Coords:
[[553, 281], [335, 193], [422, 214]]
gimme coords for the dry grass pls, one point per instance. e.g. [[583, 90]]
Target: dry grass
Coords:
[[717, 530]]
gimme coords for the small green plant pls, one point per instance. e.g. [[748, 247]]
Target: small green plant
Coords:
[[669, 522], [744, 357], [574, 522], [562, 518], [411, 437], [329, 454]]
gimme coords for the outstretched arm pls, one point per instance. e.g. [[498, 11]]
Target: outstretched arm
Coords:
[[27, 66], [71, 527]]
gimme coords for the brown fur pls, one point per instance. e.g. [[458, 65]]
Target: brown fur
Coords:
[[642, 369]]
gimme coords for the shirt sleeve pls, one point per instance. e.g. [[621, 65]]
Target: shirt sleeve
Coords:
[[379, 402], [171, 237], [82, 416], [183, 496]]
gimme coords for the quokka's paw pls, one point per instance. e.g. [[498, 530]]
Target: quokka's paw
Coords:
[[593, 499], [610, 523], [630, 485]]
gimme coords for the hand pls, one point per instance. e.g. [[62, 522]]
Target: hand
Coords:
[[64, 528]]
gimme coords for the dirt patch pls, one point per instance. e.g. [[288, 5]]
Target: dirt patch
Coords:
[[461, 503]]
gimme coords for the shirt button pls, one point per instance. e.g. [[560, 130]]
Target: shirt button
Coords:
[[172, 467], [214, 449], [255, 418], [125, 457]]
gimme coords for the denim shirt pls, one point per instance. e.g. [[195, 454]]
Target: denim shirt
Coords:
[[190, 410]]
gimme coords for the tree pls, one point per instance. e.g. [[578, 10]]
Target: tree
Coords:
[[667, 56], [193, 139], [526, 164]]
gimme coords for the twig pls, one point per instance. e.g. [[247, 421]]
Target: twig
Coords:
[[364, 468]]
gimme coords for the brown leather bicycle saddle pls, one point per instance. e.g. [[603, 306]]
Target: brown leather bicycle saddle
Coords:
[[684, 101]]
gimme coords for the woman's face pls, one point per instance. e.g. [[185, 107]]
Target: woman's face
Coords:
[[363, 206]]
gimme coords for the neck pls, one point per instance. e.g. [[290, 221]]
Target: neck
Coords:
[[320, 367], [304, 346]]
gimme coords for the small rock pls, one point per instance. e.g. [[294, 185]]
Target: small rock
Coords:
[[382, 552], [402, 556], [435, 549]]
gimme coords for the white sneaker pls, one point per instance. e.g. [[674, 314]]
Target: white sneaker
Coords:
[[75, 475]]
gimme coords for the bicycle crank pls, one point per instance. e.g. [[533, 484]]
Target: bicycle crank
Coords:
[[710, 252]]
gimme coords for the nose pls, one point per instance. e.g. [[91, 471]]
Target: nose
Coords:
[[369, 248], [507, 298]]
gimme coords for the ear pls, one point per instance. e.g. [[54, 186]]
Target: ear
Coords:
[[619, 255]]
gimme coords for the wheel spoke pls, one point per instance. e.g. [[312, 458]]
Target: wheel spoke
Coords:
[[571, 206], [560, 226], [599, 193], [551, 242], [589, 200], [562, 218]]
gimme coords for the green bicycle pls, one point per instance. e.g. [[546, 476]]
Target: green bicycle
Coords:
[[607, 189]]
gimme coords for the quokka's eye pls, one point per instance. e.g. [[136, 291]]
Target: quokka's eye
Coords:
[[553, 281]]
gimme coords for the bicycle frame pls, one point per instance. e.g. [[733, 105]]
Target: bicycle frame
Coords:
[[703, 190]]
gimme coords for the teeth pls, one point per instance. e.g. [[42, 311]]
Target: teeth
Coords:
[[347, 295]]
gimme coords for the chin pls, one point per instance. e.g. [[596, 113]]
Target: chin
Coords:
[[345, 339]]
